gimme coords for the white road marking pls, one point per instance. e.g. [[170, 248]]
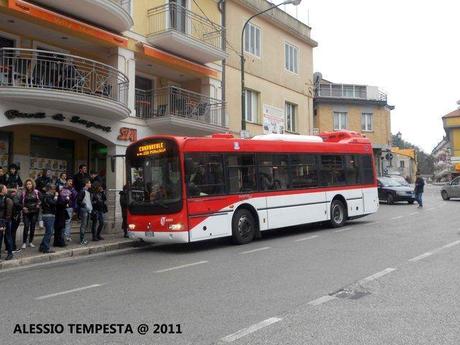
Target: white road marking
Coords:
[[255, 250], [181, 266], [322, 300], [68, 291], [431, 209], [451, 244], [306, 238], [420, 257], [344, 229], [413, 213], [251, 329], [398, 217], [377, 275]]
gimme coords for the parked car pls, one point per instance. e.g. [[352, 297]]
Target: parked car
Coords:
[[391, 191], [451, 190], [400, 179]]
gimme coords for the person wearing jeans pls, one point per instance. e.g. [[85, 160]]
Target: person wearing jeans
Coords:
[[30, 210], [49, 201], [6, 210], [69, 191], [85, 206], [98, 200], [419, 189]]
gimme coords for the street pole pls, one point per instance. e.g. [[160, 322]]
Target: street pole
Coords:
[[242, 59]]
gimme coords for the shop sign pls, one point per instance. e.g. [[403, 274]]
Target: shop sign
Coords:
[[273, 120], [127, 134], [13, 114]]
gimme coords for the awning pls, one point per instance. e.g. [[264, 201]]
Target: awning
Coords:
[[70, 24], [177, 62]]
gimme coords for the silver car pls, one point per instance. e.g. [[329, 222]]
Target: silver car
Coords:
[[451, 190]]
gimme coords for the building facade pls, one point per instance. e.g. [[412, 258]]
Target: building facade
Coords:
[[360, 108], [404, 163], [278, 53], [442, 161], [451, 123]]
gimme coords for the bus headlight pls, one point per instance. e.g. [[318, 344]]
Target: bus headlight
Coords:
[[132, 226], [177, 227]]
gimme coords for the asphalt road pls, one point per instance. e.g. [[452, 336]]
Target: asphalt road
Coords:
[[389, 278]]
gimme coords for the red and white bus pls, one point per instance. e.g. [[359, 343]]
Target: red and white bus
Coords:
[[185, 189]]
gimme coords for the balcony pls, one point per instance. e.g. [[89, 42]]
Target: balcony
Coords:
[[110, 14], [184, 33], [68, 83], [178, 111], [349, 91]]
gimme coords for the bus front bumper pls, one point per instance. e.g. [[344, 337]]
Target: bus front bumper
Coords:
[[160, 236]]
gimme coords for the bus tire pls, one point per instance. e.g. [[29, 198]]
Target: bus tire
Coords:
[[243, 227], [338, 214]]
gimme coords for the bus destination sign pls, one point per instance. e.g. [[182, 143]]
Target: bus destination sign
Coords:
[[151, 149]]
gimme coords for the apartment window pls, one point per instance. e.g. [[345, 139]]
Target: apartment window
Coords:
[[402, 164], [340, 120], [252, 40], [251, 107], [290, 116], [291, 60], [366, 122]]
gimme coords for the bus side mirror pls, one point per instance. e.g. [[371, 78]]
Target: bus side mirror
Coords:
[[112, 161]]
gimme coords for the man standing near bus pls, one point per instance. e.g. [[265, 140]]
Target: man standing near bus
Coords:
[[419, 188]]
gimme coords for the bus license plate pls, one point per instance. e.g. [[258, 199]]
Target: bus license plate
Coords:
[[149, 234]]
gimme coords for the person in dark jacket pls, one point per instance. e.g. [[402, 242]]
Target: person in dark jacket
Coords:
[[6, 211], [2, 176], [30, 209], [48, 203], [13, 180], [15, 196], [61, 181], [80, 177], [42, 181], [124, 210], [85, 207], [69, 191], [62, 204], [419, 189], [98, 200]]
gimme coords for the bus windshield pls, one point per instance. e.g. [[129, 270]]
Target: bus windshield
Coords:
[[154, 177]]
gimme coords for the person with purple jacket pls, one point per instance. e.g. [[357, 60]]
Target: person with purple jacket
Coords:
[[69, 191]]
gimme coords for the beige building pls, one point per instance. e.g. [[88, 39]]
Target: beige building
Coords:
[[360, 108], [278, 70], [404, 163]]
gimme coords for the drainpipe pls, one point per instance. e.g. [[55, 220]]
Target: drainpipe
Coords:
[[221, 7]]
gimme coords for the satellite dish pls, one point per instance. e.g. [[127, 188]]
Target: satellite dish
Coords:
[[317, 77]]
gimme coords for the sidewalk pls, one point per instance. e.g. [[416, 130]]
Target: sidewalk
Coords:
[[30, 256]]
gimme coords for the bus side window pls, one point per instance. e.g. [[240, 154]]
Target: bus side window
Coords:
[[367, 169], [204, 174], [241, 173]]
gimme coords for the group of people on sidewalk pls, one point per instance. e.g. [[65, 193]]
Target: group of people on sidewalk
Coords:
[[53, 203]]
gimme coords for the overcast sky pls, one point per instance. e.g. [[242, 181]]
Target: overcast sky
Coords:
[[409, 48]]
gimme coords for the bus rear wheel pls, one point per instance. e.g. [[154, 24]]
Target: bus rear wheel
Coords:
[[338, 214], [243, 227]]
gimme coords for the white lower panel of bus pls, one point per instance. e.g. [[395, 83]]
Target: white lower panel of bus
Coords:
[[160, 237]]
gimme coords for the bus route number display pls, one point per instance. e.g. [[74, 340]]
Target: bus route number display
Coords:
[[151, 149]]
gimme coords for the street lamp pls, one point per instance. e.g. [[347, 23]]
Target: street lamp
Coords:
[[243, 112]]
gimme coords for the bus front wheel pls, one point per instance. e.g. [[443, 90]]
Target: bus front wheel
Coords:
[[243, 227], [338, 214]]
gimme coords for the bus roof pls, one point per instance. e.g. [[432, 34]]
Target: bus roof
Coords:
[[340, 142]]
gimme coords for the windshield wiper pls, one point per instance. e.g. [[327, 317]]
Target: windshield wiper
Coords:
[[159, 203]]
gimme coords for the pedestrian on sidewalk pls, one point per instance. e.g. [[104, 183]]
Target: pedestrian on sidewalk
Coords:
[[419, 188], [48, 202], [13, 180], [61, 181], [15, 195], [42, 181], [62, 215], [30, 210], [69, 191], [124, 210], [85, 208], [6, 211], [98, 200], [80, 177]]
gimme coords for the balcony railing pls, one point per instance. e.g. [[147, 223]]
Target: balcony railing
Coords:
[[348, 91], [173, 17], [124, 4], [174, 101], [38, 69]]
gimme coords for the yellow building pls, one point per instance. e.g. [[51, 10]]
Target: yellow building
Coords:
[[451, 123], [278, 70], [360, 108]]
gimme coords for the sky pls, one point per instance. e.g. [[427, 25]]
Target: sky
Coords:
[[408, 48]]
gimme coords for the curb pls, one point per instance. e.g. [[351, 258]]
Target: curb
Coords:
[[76, 252]]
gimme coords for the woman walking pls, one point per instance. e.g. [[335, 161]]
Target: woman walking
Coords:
[[30, 210], [98, 200], [49, 201]]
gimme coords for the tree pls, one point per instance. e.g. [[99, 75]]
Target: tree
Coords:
[[425, 162]]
